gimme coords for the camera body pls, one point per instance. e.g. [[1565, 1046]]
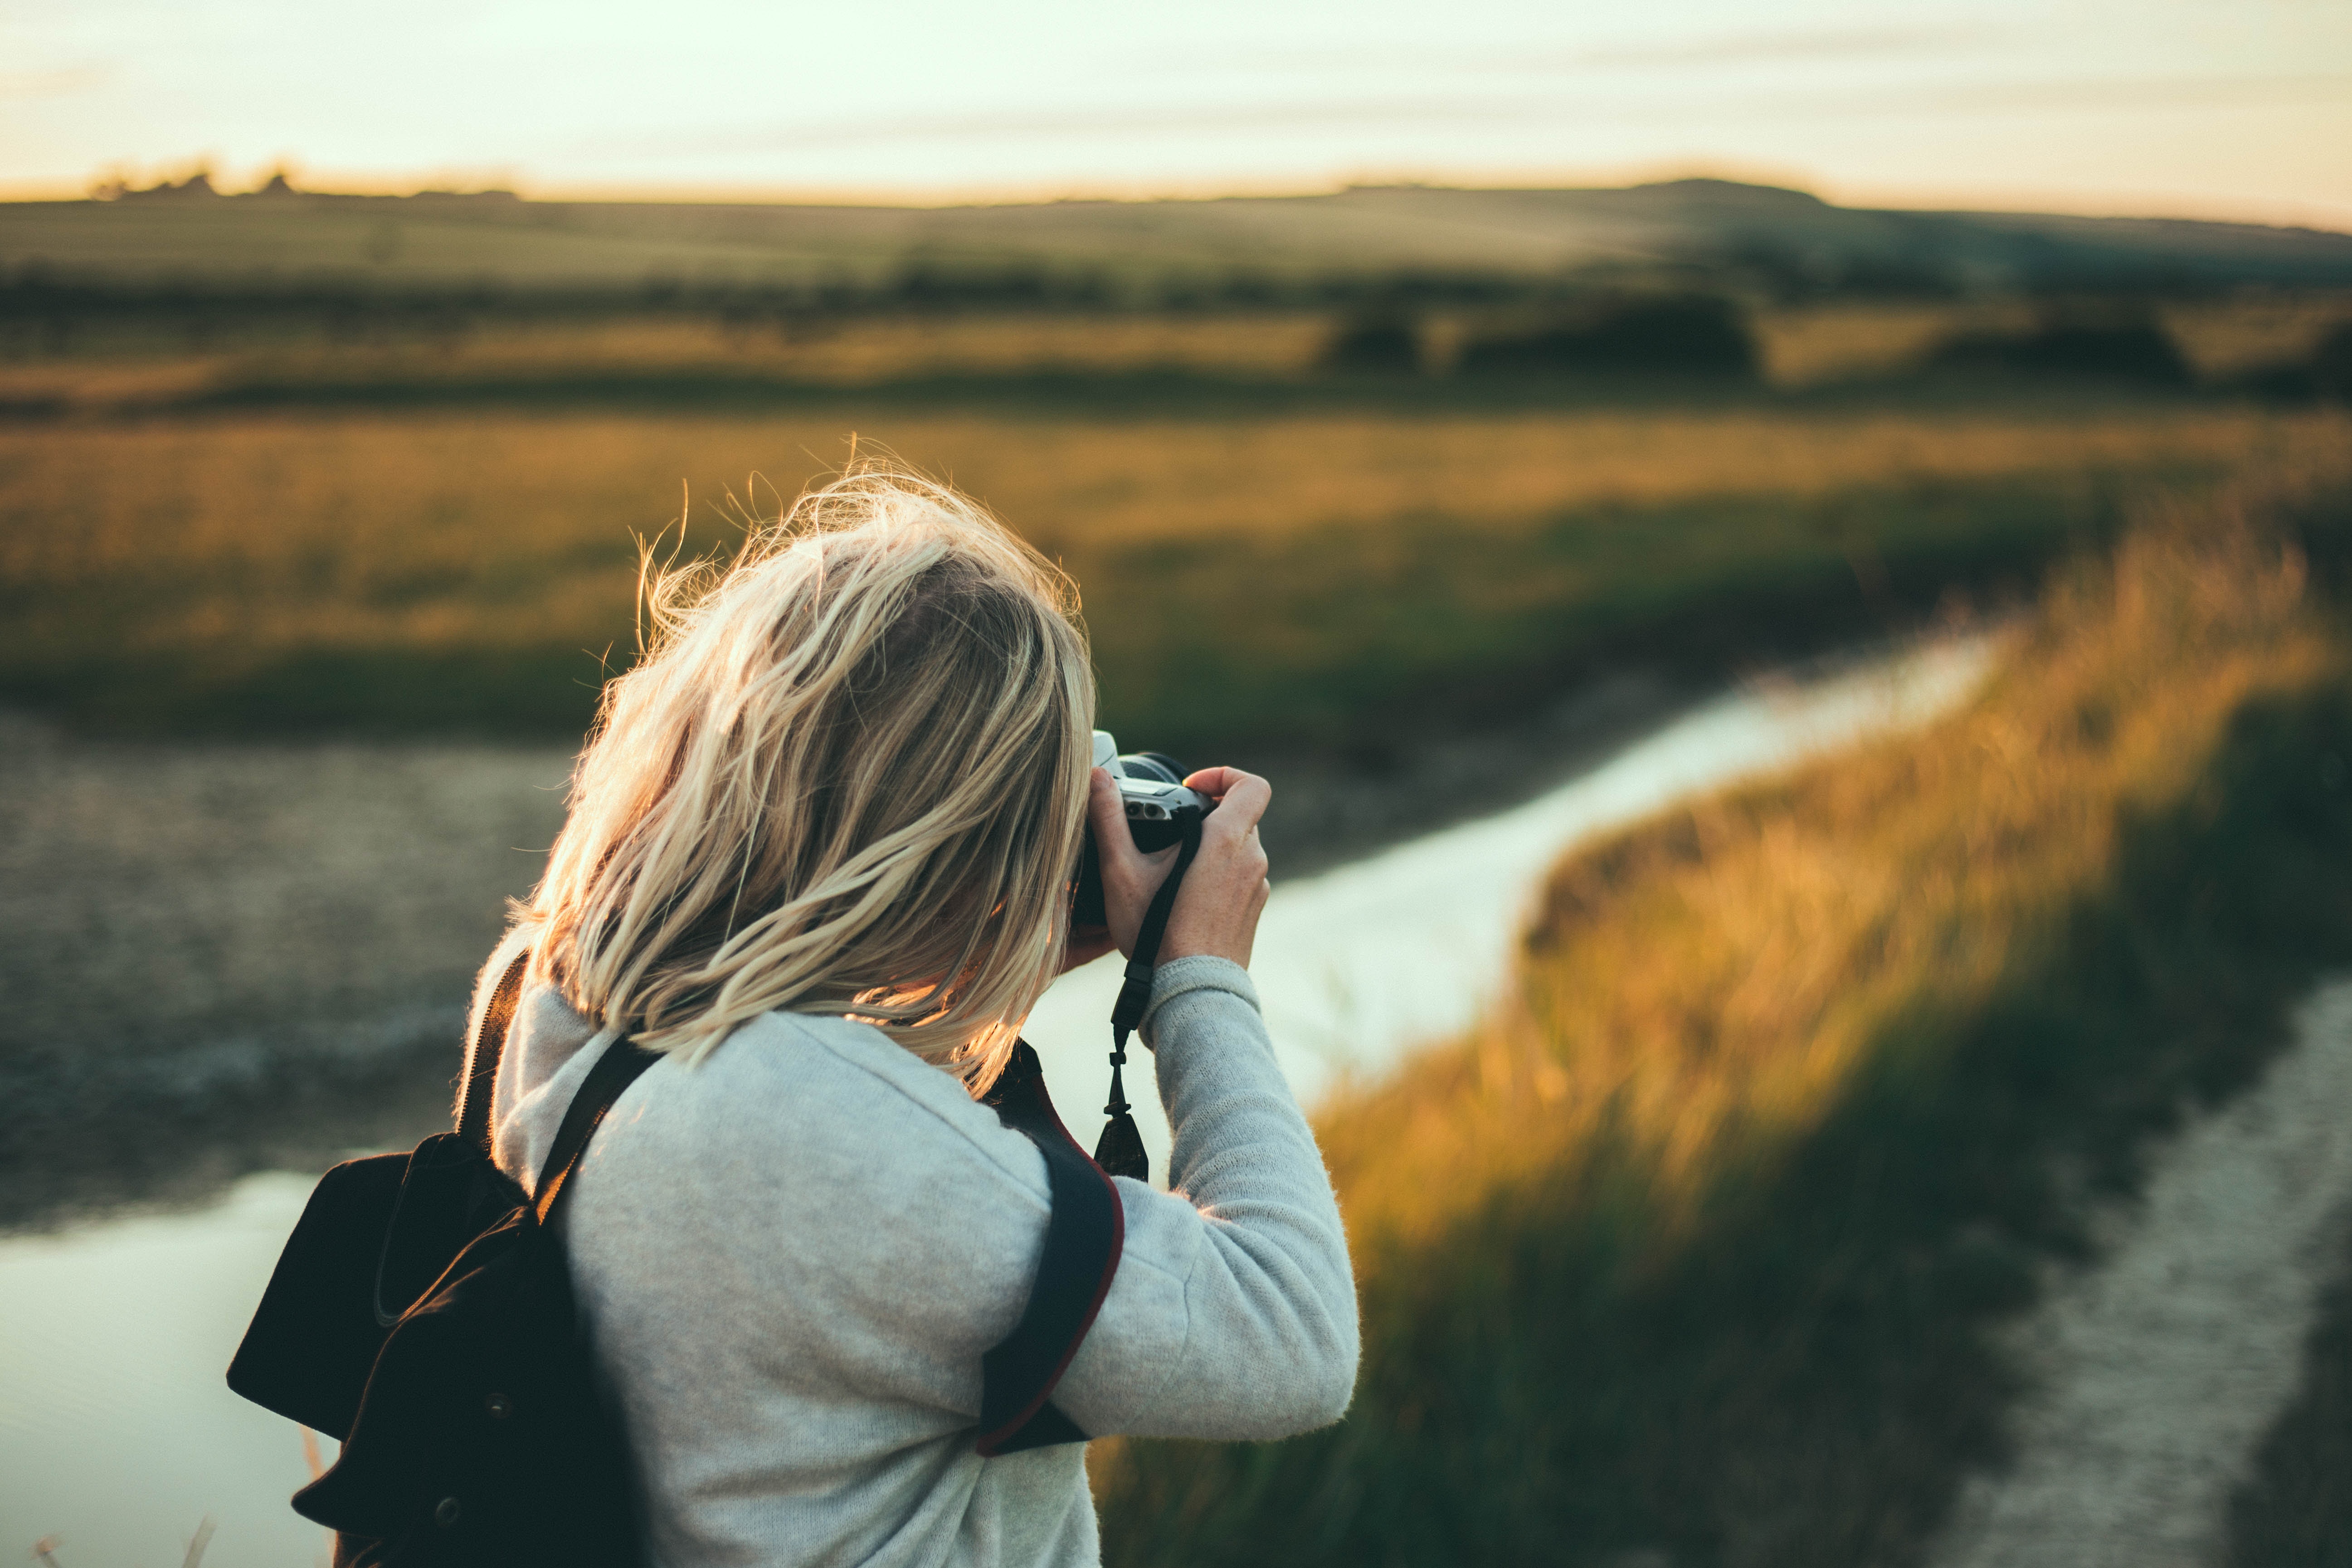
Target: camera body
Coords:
[[1152, 786]]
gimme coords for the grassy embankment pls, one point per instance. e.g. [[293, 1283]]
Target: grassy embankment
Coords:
[[1329, 575], [2295, 1510], [1693, 1249]]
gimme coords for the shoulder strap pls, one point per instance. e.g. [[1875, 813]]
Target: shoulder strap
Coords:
[[1084, 1236], [622, 1061], [482, 1056]]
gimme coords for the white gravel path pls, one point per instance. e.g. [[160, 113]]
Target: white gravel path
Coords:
[[2161, 1365]]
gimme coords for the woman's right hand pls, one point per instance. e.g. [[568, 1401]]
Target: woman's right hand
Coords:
[[1224, 889]]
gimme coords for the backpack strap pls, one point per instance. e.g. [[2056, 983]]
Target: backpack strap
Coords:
[[482, 1054], [1085, 1236], [1083, 1239], [622, 1061]]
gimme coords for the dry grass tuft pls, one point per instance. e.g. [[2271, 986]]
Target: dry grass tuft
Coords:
[[1706, 986]]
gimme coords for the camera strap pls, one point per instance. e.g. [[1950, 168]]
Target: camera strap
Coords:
[[1120, 1150]]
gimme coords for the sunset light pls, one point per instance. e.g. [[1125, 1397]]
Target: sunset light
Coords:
[[2182, 108]]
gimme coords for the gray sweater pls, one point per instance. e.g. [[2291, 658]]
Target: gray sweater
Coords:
[[792, 1256]]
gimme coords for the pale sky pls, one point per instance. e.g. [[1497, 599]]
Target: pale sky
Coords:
[[2198, 108]]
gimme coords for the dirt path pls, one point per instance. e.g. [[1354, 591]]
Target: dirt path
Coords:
[[2162, 1364]]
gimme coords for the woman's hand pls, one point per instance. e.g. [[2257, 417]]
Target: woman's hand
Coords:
[[1225, 887]]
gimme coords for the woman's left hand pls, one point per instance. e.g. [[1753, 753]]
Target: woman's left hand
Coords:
[[1129, 877], [1087, 943]]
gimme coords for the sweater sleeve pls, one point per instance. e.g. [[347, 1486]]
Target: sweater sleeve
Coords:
[[1233, 1311]]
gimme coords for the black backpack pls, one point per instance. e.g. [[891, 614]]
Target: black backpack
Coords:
[[421, 1313]]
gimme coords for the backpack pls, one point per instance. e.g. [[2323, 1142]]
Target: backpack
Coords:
[[421, 1313]]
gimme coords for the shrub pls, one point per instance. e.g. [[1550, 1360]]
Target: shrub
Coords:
[[1688, 335], [2130, 346], [2323, 375], [1376, 344]]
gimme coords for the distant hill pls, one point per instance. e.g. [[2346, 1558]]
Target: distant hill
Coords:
[[1782, 240]]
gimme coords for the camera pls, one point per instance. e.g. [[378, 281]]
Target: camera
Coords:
[[1152, 785]]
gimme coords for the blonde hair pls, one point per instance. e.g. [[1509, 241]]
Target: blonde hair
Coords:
[[849, 776]]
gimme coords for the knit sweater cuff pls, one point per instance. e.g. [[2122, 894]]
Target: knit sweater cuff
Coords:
[[1182, 976]]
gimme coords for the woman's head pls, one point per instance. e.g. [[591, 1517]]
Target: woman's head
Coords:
[[849, 776]]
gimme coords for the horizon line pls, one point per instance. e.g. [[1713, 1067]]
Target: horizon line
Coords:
[[2255, 212]]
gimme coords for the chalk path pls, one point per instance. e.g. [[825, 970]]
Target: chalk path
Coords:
[[2162, 1363]]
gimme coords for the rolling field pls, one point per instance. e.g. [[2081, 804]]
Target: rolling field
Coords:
[[1323, 576], [134, 362], [1691, 1255], [460, 241]]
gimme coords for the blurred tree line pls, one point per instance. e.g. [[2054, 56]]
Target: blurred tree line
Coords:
[[1694, 318]]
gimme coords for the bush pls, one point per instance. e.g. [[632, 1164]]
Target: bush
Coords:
[[1376, 344], [2324, 376], [1695, 335], [2128, 347]]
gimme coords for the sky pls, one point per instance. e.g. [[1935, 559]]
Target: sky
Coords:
[[2193, 108]]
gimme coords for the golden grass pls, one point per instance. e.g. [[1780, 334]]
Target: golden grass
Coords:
[[1712, 983], [857, 352], [1805, 345], [2221, 338], [2225, 338], [843, 352], [231, 543], [347, 504], [1692, 1247]]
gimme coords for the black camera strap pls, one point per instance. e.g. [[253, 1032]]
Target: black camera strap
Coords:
[[1120, 1150]]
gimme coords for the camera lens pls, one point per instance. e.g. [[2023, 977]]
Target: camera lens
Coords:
[[1150, 765]]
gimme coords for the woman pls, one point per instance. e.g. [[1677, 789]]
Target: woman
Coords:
[[819, 854]]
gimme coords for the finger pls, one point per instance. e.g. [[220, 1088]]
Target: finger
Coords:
[[1102, 799], [1107, 814], [1214, 782], [1221, 783], [1130, 875], [1241, 803]]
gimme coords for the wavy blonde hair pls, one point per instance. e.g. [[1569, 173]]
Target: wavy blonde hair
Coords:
[[849, 776]]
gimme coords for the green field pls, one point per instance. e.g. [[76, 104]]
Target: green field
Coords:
[[1694, 1251], [1761, 232]]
